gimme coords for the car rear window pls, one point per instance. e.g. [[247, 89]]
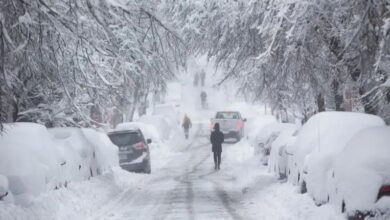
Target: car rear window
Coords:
[[125, 139], [227, 115]]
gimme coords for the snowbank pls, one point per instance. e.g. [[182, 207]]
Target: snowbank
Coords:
[[34, 159], [358, 181]]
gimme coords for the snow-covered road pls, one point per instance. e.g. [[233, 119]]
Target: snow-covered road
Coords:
[[186, 187], [183, 183]]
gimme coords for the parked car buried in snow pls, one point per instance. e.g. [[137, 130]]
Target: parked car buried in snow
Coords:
[[266, 137], [319, 141], [278, 156], [231, 124], [134, 152], [361, 175]]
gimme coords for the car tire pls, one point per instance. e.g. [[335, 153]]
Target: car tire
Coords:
[[303, 188], [238, 137], [147, 168], [343, 206]]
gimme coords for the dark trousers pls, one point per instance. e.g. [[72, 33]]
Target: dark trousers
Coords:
[[217, 159]]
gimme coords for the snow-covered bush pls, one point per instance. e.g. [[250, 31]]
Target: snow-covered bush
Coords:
[[319, 141], [360, 171], [278, 158]]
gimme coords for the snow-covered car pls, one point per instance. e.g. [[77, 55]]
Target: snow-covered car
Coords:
[[79, 163], [86, 152], [289, 152], [361, 175], [278, 156], [29, 161], [163, 124], [168, 110], [231, 123], [266, 137], [134, 154], [319, 141]]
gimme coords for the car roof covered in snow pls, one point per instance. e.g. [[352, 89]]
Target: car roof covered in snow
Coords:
[[370, 148], [125, 127]]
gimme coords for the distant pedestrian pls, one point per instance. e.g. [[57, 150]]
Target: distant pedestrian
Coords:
[[203, 99], [217, 139], [196, 79], [202, 78], [186, 125]]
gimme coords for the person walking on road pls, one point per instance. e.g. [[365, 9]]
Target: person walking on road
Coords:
[[186, 125], [203, 98], [217, 139], [196, 79], [202, 78]]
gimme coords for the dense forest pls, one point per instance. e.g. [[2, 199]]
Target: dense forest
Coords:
[[76, 63]]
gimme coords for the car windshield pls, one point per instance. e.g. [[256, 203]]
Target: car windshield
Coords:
[[227, 115], [124, 139]]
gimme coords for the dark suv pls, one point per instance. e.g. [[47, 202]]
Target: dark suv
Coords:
[[134, 152]]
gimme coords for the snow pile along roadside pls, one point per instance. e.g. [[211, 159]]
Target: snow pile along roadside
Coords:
[[34, 159]]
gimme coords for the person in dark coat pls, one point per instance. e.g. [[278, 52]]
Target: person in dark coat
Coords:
[[217, 139], [186, 125]]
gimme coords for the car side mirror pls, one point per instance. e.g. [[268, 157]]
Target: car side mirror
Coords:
[[149, 141], [244, 120]]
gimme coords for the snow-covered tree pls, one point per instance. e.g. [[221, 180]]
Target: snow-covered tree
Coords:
[[75, 62]]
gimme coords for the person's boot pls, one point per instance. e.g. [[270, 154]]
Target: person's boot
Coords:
[[215, 166], [219, 166]]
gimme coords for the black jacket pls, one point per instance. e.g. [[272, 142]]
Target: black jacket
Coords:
[[216, 139]]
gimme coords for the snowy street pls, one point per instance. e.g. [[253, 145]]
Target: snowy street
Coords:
[[186, 188], [196, 109]]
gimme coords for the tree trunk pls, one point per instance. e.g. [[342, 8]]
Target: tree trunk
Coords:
[[320, 103], [338, 99], [369, 103]]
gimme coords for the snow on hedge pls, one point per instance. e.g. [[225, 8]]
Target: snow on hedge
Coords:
[[361, 169], [34, 159]]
